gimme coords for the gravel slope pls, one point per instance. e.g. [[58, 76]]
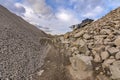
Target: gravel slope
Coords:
[[22, 50]]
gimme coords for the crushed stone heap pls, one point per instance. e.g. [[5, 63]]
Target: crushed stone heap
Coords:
[[27, 53], [94, 50], [21, 49]]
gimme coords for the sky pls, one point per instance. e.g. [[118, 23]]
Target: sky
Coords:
[[56, 16]]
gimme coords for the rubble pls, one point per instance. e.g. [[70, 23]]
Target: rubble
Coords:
[[100, 40]]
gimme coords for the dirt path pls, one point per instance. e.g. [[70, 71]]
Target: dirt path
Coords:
[[54, 68]]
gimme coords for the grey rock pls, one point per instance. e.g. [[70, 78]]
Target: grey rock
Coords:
[[104, 55], [117, 41], [113, 50], [117, 56]]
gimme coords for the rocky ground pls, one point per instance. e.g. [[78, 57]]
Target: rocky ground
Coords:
[[94, 50], [91, 52]]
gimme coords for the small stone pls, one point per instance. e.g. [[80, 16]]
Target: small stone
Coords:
[[107, 62], [90, 45], [110, 36], [117, 56], [82, 43], [99, 48], [73, 49], [104, 55], [40, 72], [108, 42], [7, 79], [0, 74], [112, 57], [102, 77], [87, 53], [97, 58], [67, 46], [100, 36], [66, 41], [101, 72], [78, 42], [113, 50], [97, 68], [66, 36], [105, 31], [86, 36], [83, 49], [77, 63], [94, 52], [76, 52], [79, 34], [61, 38], [86, 59], [98, 41], [117, 41]]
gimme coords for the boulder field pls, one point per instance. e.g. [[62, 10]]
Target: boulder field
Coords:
[[94, 50]]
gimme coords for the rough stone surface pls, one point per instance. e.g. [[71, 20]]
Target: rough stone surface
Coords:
[[86, 36], [80, 69], [79, 34], [113, 50], [102, 77], [108, 62], [104, 55], [105, 31], [117, 56], [97, 58], [115, 70], [117, 41]]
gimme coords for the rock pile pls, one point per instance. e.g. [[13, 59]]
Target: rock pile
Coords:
[[94, 50]]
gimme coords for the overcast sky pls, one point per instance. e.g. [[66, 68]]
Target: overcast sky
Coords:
[[55, 16]]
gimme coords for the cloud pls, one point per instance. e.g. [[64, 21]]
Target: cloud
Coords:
[[93, 13], [40, 7], [19, 9], [55, 16], [65, 15], [56, 24]]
